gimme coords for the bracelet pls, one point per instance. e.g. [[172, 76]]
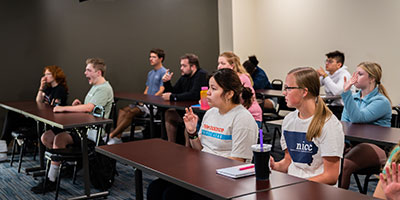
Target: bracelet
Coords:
[[193, 136], [325, 75]]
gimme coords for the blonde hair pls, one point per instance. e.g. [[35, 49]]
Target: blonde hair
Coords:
[[374, 70], [307, 77], [234, 60]]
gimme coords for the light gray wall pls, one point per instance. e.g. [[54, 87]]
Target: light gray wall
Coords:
[[65, 32]]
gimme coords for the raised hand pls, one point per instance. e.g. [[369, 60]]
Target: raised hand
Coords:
[[347, 84], [167, 76], [190, 120], [391, 185], [321, 71]]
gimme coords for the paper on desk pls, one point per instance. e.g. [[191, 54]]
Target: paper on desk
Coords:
[[235, 172]]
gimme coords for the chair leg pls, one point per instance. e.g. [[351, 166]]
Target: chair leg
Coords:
[[276, 131], [58, 180], [13, 152], [21, 154], [46, 174], [132, 136], [358, 183], [366, 180], [75, 171], [35, 150]]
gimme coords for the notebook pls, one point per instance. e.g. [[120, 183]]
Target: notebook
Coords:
[[236, 172]]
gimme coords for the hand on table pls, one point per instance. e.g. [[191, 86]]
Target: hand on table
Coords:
[[166, 96], [76, 102]]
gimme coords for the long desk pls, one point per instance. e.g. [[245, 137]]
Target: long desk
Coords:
[[152, 100], [307, 190], [379, 135], [41, 112], [189, 168], [268, 93]]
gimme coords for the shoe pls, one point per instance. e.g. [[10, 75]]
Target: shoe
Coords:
[[39, 189], [114, 140]]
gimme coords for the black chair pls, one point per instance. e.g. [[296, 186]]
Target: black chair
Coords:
[[145, 122], [277, 84], [368, 173], [23, 137]]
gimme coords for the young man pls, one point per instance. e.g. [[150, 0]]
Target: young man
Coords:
[[100, 94], [187, 88], [154, 86]]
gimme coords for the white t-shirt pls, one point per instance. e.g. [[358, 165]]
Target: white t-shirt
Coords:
[[307, 156], [230, 134], [334, 84]]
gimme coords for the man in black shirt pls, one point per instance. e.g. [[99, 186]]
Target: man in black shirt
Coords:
[[187, 88]]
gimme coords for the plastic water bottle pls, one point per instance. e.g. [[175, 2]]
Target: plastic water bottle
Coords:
[[203, 98]]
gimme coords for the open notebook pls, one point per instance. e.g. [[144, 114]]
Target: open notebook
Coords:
[[237, 171]]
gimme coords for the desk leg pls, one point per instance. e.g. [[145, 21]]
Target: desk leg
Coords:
[[152, 131], [41, 154], [138, 184], [163, 131], [85, 162]]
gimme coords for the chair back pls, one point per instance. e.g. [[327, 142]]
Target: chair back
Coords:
[[277, 84], [396, 117]]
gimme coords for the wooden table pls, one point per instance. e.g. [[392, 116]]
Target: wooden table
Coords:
[[189, 168], [269, 93], [307, 190], [379, 135], [41, 112], [162, 104]]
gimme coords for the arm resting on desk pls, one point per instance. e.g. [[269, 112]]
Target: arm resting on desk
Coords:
[[331, 171], [282, 165], [78, 108]]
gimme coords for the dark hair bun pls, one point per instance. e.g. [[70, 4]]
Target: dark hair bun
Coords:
[[253, 59], [247, 96]]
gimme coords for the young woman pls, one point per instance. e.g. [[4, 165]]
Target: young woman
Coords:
[[371, 105], [53, 88], [231, 61], [227, 129], [312, 138]]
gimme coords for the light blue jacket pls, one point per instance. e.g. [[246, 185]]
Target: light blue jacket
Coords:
[[374, 108]]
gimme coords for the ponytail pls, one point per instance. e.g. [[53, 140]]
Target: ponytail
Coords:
[[383, 91], [322, 113], [247, 96]]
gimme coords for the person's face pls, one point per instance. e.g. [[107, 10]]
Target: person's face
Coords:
[[214, 94], [223, 63], [186, 69], [363, 80], [48, 76], [331, 65], [91, 74], [293, 94], [154, 59]]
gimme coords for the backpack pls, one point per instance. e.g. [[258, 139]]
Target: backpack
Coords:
[[102, 170]]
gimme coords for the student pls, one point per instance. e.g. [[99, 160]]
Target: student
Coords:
[[100, 94], [227, 129], [260, 79], [187, 88], [154, 86], [371, 105], [332, 79], [312, 138], [232, 61], [389, 186], [53, 88]]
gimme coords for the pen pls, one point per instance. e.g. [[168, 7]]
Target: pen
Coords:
[[247, 167]]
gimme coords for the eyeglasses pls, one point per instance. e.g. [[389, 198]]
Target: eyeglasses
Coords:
[[329, 61], [286, 88]]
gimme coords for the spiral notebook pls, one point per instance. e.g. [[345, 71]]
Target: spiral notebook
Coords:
[[237, 171]]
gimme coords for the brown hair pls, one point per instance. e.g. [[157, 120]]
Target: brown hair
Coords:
[[228, 80], [374, 70], [307, 77], [58, 75], [193, 59], [234, 60], [160, 53], [98, 64]]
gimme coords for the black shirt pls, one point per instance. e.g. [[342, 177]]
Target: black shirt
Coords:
[[58, 92], [187, 88]]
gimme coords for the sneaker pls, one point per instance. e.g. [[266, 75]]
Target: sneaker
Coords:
[[114, 140], [39, 189]]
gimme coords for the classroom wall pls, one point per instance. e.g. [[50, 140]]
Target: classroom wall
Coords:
[[65, 32], [285, 34]]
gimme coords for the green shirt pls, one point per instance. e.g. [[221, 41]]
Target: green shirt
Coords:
[[101, 95], [389, 160]]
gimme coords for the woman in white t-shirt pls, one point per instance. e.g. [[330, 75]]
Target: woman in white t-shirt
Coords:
[[312, 137], [228, 130]]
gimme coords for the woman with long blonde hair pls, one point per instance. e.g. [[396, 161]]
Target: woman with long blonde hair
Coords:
[[312, 138]]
